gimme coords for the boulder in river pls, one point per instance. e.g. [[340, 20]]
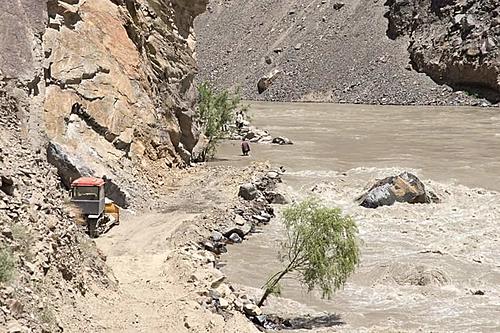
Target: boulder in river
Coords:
[[281, 140], [405, 187]]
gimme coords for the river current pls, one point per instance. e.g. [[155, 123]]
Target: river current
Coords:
[[424, 267]]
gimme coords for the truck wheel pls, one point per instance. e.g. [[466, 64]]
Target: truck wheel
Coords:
[[92, 228]]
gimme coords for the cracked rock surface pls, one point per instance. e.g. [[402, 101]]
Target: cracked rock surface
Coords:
[[130, 66]]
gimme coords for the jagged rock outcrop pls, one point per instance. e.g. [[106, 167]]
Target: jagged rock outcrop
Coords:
[[454, 41], [128, 63]]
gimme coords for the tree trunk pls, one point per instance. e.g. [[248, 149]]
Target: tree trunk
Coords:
[[270, 287]]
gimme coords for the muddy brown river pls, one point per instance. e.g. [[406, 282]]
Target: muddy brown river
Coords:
[[424, 268]]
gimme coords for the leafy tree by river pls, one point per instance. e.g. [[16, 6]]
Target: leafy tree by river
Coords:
[[321, 247], [216, 111]]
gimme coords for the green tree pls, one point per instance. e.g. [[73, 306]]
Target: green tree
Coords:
[[215, 111], [321, 247]]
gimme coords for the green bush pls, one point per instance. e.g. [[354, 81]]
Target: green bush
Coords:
[[216, 112], [321, 247], [6, 265]]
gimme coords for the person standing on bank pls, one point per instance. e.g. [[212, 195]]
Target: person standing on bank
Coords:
[[239, 119], [245, 147]]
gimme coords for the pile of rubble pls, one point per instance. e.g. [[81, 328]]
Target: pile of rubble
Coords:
[[256, 135], [46, 262], [253, 211]]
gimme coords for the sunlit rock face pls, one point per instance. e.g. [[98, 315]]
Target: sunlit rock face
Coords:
[[454, 41], [128, 63]]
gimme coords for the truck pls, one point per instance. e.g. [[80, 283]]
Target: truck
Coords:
[[99, 213]]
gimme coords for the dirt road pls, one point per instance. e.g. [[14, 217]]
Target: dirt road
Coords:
[[155, 265]]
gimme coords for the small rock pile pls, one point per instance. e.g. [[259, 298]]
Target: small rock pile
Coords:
[[46, 261], [256, 135], [254, 210]]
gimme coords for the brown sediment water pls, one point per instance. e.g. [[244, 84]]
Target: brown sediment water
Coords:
[[424, 267]]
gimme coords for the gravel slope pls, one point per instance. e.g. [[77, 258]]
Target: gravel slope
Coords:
[[324, 53]]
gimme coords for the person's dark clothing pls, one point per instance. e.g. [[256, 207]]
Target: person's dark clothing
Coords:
[[245, 148]]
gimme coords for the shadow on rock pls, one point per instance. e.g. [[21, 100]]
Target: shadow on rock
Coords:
[[306, 322]]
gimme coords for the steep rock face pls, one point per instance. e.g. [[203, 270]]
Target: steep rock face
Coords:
[[130, 64], [53, 264], [21, 25], [454, 41]]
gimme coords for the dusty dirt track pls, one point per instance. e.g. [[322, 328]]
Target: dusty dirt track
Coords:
[[154, 261]]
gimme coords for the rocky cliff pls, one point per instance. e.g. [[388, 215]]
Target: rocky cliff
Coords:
[[128, 63], [325, 50], [47, 264], [454, 41]]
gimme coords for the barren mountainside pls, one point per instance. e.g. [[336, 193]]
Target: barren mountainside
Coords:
[[328, 50]]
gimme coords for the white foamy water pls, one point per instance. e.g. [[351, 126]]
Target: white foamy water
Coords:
[[421, 264]]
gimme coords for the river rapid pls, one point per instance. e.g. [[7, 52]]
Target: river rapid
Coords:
[[432, 267]]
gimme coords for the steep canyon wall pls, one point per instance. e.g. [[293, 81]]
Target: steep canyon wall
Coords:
[[128, 63]]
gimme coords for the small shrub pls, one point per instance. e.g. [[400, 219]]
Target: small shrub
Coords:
[[6, 265], [321, 248], [215, 112]]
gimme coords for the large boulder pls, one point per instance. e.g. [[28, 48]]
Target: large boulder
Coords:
[[267, 80], [405, 187], [7, 185], [248, 191]]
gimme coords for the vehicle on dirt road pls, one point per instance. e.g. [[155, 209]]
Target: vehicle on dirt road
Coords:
[[99, 213]]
